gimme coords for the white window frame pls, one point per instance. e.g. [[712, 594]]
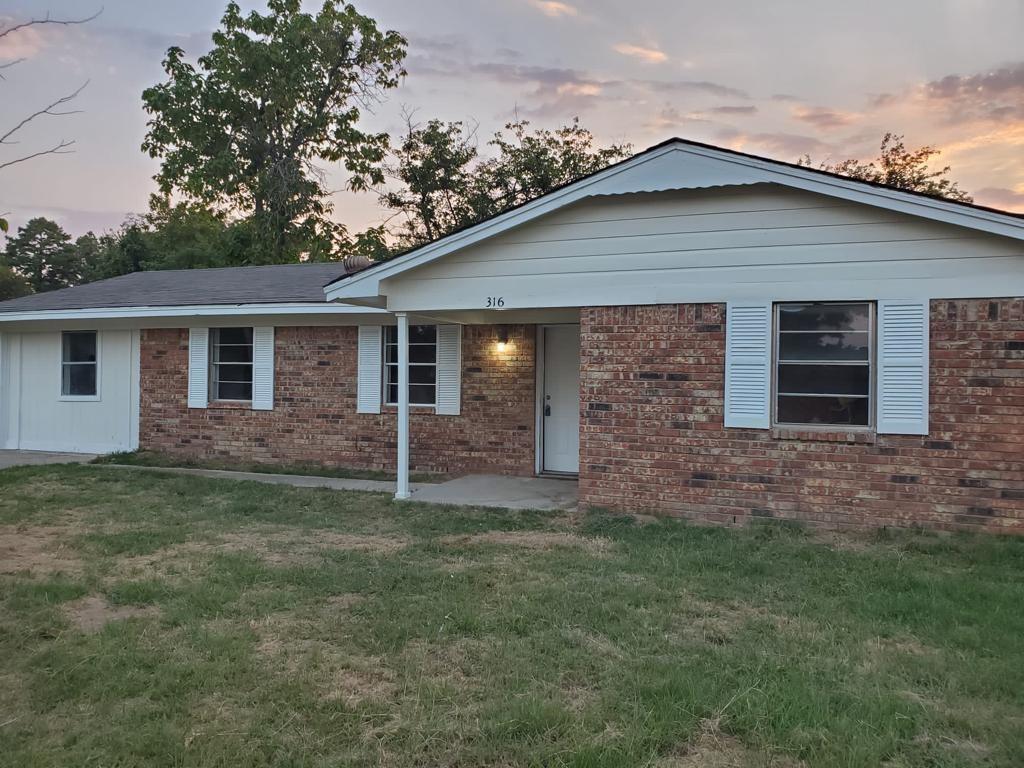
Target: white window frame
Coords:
[[386, 332], [94, 398], [214, 365], [872, 363]]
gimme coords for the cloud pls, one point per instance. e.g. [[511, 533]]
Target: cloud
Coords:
[[996, 95], [780, 145], [1001, 197], [670, 118], [646, 55], [690, 86], [730, 109], [554, 8], [23, 44], [557, 92], [823, 118]]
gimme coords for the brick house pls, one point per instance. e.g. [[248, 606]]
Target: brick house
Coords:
[[693, 332]]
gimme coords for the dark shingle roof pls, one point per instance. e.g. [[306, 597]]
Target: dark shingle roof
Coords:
[[275, 284]]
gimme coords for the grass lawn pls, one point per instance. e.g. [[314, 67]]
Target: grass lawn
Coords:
[[151, 619]]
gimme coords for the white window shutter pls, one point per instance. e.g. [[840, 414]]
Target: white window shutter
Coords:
[[748, 361], [449, 369], [903, 367], [263, 368], [369, 378], [198, 367]]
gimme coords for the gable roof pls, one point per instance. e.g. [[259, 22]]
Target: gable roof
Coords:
[[272, 284], [679, 164]]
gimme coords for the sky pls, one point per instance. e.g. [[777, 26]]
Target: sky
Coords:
[[780, 79]]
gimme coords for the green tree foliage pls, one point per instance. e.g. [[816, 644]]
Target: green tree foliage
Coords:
[[441, 182], [897, 166], [43, 255], [12, 285], [241, 133]]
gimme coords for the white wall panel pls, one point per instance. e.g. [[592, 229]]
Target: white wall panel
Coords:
[[35, 416]]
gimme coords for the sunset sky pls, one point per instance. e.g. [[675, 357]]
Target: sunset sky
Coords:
[[779, 79]]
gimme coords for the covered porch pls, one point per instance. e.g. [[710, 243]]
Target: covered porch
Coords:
[[538, 353]]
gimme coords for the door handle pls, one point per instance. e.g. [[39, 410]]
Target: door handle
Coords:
[[547, 410]]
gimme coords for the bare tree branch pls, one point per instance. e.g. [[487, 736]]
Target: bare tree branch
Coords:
[[49, 109], [8, 65], [60, 149], [47, 20]]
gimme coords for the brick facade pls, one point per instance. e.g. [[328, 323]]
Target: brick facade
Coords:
[[652, 437], [314, 417]]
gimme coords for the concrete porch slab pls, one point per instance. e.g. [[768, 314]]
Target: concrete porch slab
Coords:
[[9, 458], [545, 493]]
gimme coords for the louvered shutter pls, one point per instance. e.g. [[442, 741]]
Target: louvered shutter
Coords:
[[748, 359], [263, 369], [198, 367], [449, 369], [369, 379], [903, 367]]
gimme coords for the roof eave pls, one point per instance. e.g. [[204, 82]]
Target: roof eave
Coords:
[[185, 311]]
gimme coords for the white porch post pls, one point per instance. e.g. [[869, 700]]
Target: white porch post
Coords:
[[402, 486]]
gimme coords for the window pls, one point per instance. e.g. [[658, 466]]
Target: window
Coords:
[[231, 364], [78, 364], [824, 353], [422, 365]]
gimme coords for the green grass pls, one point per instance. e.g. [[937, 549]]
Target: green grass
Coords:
[[183, 621], [159, 459]]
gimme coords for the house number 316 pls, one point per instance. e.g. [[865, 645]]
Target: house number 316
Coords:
[[495, 301]]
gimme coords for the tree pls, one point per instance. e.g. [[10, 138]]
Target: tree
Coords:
[[900, 167], [440, 182], [43, 255], [242, 131], [56, 108], [11, 284]]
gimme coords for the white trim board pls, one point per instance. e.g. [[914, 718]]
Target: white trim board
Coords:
[[680, 165]]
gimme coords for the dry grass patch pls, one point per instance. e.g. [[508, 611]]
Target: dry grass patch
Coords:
[[457, 662], [287, 547], [92, 613], [39, 549], [722, 623], [714, 749], [536, 540], [272, 545]]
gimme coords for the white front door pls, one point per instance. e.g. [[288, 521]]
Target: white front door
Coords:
[[561, 399]]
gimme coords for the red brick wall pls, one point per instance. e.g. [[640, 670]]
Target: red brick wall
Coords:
[[314, 417], [652, 437]]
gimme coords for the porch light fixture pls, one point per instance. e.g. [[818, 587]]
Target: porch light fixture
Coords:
[[502, 333]]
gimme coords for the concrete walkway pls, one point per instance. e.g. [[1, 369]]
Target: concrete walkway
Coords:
[[23, 458], [542, 493]]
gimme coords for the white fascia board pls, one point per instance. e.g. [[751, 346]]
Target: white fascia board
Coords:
[[718, 168], [208, 310]]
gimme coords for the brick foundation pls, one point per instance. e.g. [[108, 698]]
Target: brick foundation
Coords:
[[652, 437], [315, 421]]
